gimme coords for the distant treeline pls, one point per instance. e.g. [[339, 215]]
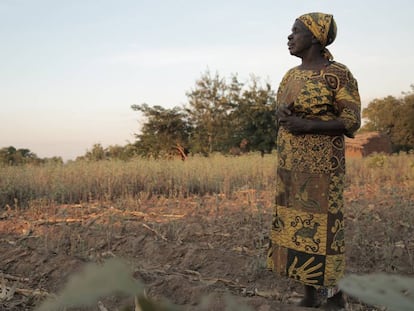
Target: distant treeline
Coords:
[[12, 156], [228, 117]]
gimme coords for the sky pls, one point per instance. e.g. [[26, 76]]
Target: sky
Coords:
[[71, 69]]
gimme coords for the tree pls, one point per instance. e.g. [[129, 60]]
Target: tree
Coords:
[[164, 130], [97, 153], [219, 117], [255, 117], [12, 156], [55, 160], [394, 117], [210, 104], [123, 153], [112, 152]]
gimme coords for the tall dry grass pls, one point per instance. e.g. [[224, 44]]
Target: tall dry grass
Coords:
[[381, 176], [380, 213], [111, 180], [83, 181]]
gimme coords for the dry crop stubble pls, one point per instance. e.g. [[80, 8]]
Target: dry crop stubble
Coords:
[[207, 236]]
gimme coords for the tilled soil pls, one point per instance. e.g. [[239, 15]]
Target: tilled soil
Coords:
[[198, 253]]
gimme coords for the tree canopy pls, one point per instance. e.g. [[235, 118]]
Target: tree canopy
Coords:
[[164, 131], [220, 116], [13, 157], [394, 117]]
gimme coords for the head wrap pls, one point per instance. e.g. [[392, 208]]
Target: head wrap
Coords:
[[323, 27]]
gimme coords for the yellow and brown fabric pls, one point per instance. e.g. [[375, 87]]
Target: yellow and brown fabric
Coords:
[[307, 235], [323, 27]]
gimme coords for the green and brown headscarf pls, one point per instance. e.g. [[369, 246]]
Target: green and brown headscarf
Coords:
[[323, 27]]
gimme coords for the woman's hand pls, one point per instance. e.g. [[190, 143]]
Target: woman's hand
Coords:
[[296, 125], [284, 110], [287, 118]]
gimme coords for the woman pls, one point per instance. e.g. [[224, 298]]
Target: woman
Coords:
[[317, 104]]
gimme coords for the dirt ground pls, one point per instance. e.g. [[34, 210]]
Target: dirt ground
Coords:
[[198, 253]]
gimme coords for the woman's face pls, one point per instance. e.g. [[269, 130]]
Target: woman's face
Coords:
[[300, 40]]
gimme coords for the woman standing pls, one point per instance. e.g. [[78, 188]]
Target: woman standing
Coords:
[[317, 104]]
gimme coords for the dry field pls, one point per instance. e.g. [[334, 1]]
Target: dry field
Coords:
[[193, 233]]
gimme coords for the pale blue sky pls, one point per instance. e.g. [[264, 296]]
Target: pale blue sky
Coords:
[[70, 70]]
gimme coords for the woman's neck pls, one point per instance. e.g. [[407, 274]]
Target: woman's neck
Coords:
[[314, 65], [313, 61]]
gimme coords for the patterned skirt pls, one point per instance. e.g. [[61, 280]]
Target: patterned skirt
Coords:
[[307, 234]]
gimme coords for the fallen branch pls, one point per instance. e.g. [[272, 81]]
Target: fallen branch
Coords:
[[13, 278], [208, 281], [7, 293], [16, 257], [58, 220], [211, 281], [156, 232], [33, 292], [91, 218], [145, 215]]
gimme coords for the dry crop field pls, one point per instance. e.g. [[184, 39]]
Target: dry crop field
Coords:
[[194, 233]]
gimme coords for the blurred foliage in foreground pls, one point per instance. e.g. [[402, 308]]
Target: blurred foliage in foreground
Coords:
[[394, 292], [95, 282], [113, 277]]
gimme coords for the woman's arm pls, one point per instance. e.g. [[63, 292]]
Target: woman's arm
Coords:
[[300, 126]]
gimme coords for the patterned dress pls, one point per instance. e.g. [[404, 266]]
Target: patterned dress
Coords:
[[307, 235]]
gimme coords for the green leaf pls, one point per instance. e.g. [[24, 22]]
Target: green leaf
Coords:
[[93, 282], [392, 291]]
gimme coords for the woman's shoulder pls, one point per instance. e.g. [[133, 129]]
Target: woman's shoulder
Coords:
[[339, 70], [291, 71], [296, 72], [337, 67], [287, 76]]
